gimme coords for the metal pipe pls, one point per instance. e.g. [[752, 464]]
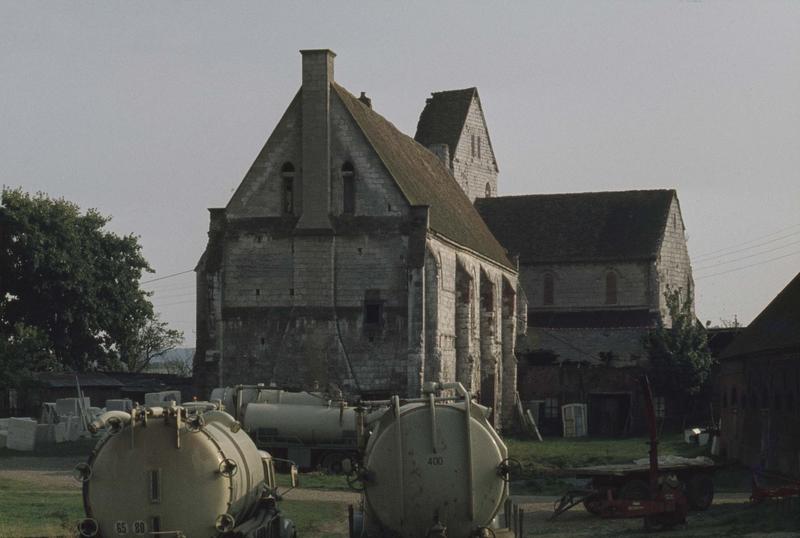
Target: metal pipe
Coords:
[[433, 421], [108, 419], [399, 449]]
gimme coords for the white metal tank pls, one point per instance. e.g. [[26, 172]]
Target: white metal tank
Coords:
[[307, 423], [432, 468], [163, 470]]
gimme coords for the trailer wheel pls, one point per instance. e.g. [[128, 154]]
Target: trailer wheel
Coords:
[[332, 463], [634, 490], [591, 504], [700, 492]]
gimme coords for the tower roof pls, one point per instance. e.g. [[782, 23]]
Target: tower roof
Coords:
[[424, 180], [442, 120]]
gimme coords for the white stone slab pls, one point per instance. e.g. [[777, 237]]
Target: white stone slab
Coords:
[[124, 404], [21, 434], [69, 406]]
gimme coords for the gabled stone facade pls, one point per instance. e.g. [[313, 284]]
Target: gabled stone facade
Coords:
[[348, 258], [453, 126], [595, 268]]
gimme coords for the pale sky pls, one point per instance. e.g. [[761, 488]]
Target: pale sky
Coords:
[[152, 111]]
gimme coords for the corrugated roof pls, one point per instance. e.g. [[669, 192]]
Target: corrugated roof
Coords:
[[424, 180], [777, 327], [443, 118], [586, 226]]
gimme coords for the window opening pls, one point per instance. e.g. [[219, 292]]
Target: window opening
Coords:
[[611, 287], [488, 190], [549, 292], [372, 313], [479, 147], [348, 189], [551, 408], [472, 147], [287, 189]]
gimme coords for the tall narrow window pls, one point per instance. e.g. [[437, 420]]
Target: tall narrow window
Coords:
[[549, 291], [479, 147], [348, 189], [611, 287], [488, 190], [472, 147], [287, 189]]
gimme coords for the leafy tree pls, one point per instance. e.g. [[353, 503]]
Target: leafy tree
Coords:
[[679, 356], [153, 339], [23, 351], [63, 274]]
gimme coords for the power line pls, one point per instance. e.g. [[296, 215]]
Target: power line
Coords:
[[748, 266], [701, 267], [167, 276], [705, 258], [173, 304], [756, 239]]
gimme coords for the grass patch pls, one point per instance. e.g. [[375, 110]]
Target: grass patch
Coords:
[[556, 454], [26, 511], [315, 480], [319, 519], [79, 449]]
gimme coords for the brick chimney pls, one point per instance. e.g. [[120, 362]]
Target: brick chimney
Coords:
[[316, 101]]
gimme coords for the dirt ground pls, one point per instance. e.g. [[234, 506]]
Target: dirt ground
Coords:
[[731, 513]]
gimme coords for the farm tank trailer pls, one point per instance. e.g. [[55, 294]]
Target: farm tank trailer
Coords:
[[180, 471], [430, 468]]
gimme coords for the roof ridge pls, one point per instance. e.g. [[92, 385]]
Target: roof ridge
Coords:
[[578, 193]]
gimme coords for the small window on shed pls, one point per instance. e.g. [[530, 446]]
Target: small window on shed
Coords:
[[548, 293], [287, 189], [551, 408], [348, 188], [488, 190], [611, 287]]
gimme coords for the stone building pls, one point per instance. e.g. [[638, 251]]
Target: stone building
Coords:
[[452, 126], [349, 258], [594, 267], [760, 388]]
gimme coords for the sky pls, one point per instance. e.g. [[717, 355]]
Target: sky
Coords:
[[152, 112]]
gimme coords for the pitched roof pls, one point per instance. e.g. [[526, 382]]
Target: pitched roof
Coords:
[[443, 118], [86, 379], [777, 327], [424, 180], [586, 226]]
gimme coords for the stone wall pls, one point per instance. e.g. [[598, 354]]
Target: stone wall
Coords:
[[473, 339], [583, 285], [673, 265], [474, 169]]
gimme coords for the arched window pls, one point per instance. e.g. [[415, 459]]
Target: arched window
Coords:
[[611, 287], [548, 293], [348, 188], [287, 189], [488, 190]]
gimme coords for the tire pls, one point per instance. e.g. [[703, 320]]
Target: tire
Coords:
[[332, 463], [590, 504], [700, 492], [634, 490]]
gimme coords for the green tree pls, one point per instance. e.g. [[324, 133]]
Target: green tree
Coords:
[[23, 351], [66, 276], [679, 356], [153, 339]]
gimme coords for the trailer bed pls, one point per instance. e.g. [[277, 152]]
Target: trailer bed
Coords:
[[667, 465]]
